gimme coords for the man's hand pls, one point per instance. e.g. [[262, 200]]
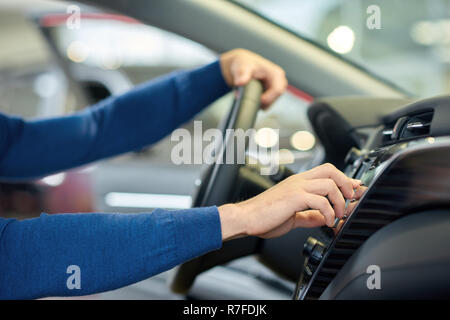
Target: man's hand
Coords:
[[309, 199], [239, 66]]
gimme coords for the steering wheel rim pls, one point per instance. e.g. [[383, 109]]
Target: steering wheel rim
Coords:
[[218, 182]]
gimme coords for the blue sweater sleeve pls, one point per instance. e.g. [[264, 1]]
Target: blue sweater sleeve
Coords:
[[119, 124], [110, 250]]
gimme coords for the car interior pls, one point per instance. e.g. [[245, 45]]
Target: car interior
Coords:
[[397, 144]]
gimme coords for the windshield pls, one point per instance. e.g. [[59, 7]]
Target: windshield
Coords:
[[404, 41]]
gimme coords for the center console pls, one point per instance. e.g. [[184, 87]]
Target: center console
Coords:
[[405, 163]]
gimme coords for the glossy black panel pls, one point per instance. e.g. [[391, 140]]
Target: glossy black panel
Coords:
[[402, 179]]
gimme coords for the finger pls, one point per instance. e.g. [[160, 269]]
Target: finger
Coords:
[[348, 212], [351, 206], [275, 82], [309, 219], [320, 203], [327, 187], [349, 209], [338, 227], [353, 203], [359, 192], [241, 74], [275, 87], [356, 183], [327, 170]]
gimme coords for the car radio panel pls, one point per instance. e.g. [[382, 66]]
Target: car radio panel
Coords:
[[395, 187]]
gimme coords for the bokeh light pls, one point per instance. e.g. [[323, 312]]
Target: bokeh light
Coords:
[[266, 137], [341, 39], [303, 140]]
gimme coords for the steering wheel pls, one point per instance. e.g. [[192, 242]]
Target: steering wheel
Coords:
[[217, 186]]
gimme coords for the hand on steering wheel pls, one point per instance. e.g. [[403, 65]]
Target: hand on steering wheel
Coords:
[[239, 66]]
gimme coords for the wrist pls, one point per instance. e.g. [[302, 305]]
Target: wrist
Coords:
[[233, 222]]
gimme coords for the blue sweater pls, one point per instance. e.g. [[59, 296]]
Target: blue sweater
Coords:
[[111, 250]]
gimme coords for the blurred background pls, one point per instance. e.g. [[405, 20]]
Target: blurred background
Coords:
[[48, 69], [411, 49]]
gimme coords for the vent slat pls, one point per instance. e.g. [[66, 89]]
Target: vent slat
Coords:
[[376, 213], [358, 232], [369, 221], [369, 210], [331, 271], [410, 182]]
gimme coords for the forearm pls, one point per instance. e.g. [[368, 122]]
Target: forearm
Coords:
[[116, 125], [111, 250]]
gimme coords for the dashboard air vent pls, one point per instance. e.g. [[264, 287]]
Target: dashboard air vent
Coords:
[[409, 127], [416, 126]]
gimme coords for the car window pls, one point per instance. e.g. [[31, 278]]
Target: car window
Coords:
[[31, 83], [404, 41]]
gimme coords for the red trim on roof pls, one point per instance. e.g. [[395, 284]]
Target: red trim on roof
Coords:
[[58, 19], [300, 94]]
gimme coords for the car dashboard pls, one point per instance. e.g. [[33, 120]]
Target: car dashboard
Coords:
[[404, 161]]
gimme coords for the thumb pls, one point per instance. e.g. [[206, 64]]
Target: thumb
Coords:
[[241, 75], [309, 219]]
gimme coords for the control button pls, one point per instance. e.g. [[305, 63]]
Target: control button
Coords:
[[314, 250], [337, 220]]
